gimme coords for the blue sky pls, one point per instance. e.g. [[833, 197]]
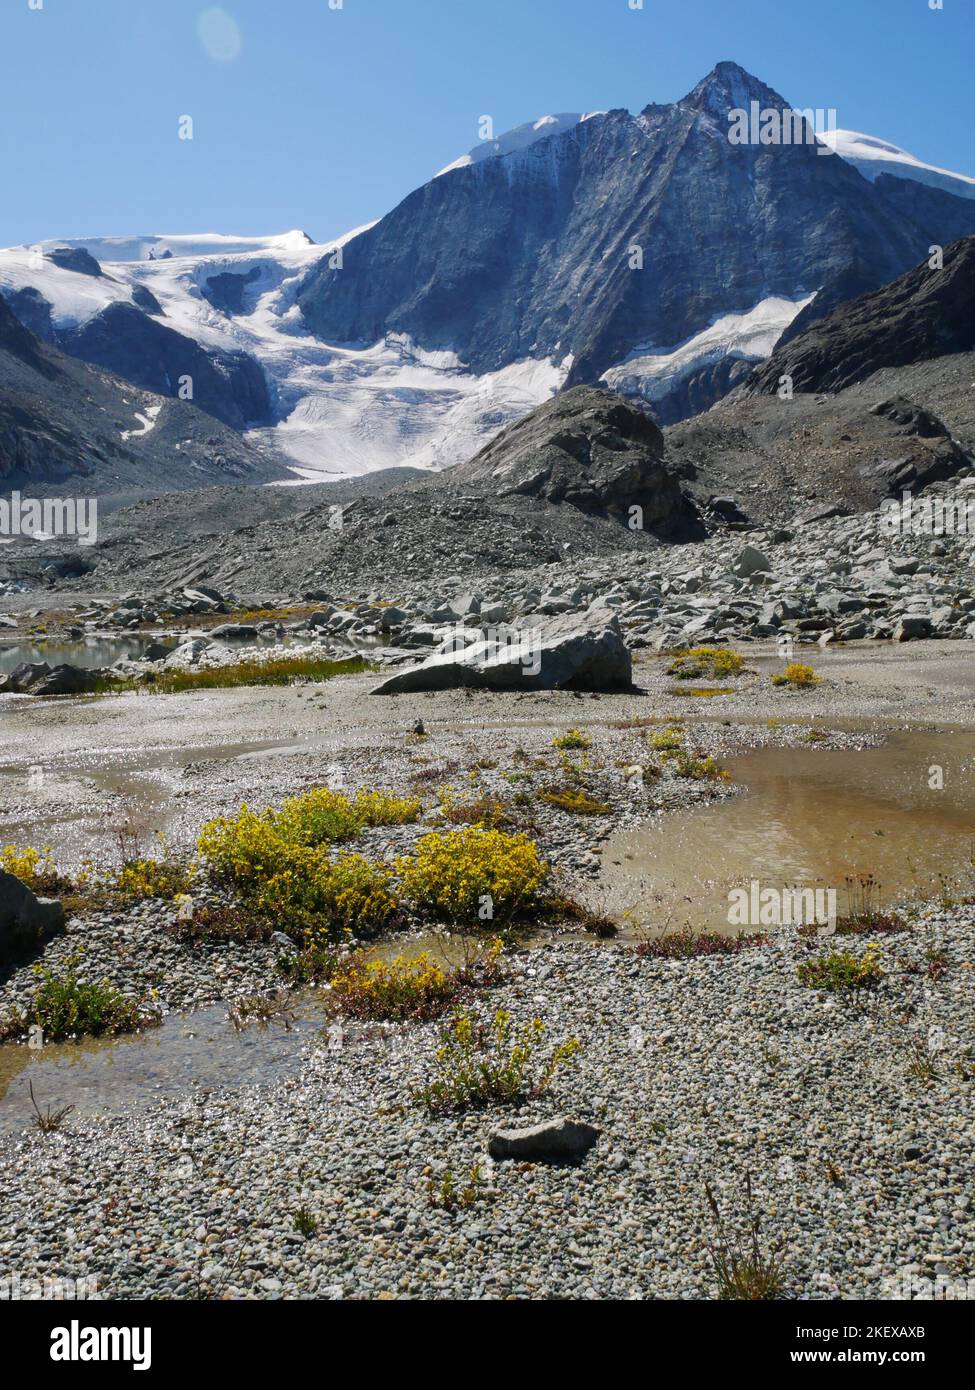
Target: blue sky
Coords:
[[325, 118]]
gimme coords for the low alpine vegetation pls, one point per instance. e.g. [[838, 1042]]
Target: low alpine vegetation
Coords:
[[686, 944], [744, 1268], [864, 915], [281, 863], [262, 1008], [304, 1221], [222, 922], [573, 738], [484, 810], [698, 769], [152, 878], [34, 867], [66, 1007], [696, 663], [51, 1118], [412, 989], [797, 675], [666, 741], [282, 671], [449, 1196], [574, 800], [398, 991], [842, 970], [488, 1063]]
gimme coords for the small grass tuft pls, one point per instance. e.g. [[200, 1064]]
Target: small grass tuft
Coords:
[[842, 970], [698, 769], [480, 1064], [574, 800], [305, 1222], [65, 1007], [745, 1270], [447, 1196], [48, 1121]]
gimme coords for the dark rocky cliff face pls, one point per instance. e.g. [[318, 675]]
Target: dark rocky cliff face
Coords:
[[529, 255], [128, 340], [227, 385], [922, 315]]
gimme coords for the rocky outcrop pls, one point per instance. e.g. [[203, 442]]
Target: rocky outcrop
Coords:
[[922, 315], [26, 920], [817, 454], [63, 419], [75, 258], [37, 678], [589, 449], [225, 291]]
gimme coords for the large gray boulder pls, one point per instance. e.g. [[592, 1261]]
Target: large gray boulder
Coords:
[[912, 627], [751, 561], [573, 651], [19, 680], [65, 680], [37, 678], [25, 919]]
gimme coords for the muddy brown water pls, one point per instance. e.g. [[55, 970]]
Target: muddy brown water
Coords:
[[807, 818]]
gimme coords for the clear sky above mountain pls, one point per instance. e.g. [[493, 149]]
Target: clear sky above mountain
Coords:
[[323, 118]]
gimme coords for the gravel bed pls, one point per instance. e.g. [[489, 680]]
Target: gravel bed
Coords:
[[134, 946], [711, 1069]]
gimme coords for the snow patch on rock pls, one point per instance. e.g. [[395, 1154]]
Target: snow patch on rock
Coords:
[[653, 373]]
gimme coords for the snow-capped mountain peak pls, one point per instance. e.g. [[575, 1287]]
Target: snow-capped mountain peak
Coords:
[[520, 138], [874, 157], [647, 251]]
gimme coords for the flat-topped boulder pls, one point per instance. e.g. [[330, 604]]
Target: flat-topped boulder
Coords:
[[572, 651]]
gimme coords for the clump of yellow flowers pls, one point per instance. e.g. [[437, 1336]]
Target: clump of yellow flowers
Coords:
[[473, 874], [279, 860], [153, 878], [34, 867]]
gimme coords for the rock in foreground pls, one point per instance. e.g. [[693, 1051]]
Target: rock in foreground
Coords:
[[37, 678], [25, 919], [559, 1139]]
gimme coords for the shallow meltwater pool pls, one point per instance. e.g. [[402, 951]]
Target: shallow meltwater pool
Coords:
[[903, 812], [87, 653], [188, 1053]]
